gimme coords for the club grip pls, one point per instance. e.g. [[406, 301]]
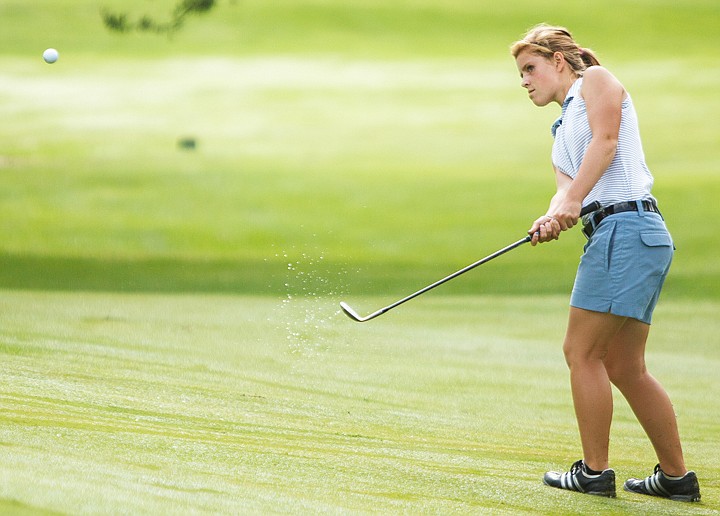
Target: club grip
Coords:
[[593, 206]]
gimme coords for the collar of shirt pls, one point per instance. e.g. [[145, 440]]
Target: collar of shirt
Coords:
[[568, 98]]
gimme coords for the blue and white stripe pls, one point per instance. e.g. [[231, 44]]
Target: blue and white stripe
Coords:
[[628, 177]]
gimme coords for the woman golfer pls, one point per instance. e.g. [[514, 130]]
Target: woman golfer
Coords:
[[597, 156]]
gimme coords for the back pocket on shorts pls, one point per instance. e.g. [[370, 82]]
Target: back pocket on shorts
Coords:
[[656, 239], [659, 255]]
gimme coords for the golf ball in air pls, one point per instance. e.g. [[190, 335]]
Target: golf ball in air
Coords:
[[50, 55]]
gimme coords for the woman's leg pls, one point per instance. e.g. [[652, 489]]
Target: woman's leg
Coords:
[[625, 365], [587, 340]]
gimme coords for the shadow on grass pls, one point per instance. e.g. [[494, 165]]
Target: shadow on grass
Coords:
[[31, 272]]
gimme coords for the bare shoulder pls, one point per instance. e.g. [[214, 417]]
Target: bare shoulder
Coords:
[[598, 80], [598, 74]]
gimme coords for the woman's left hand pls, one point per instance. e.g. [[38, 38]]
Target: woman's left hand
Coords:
[[567, 214]]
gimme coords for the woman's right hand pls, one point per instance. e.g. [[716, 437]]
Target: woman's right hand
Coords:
[[544, 229]]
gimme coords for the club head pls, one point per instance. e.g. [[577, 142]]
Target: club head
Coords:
[[352, 314]]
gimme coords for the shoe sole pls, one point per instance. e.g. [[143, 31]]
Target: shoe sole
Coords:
[[686, 498], [675, 498], [606, 494]]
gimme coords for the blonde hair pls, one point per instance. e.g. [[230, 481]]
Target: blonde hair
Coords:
[[544, 40]]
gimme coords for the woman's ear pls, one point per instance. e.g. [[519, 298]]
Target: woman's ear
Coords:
[[559, 60]]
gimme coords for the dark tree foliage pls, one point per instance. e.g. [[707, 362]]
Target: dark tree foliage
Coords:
[[120, 22]]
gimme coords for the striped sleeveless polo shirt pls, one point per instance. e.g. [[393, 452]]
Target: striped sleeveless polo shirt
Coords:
[[628, 177]]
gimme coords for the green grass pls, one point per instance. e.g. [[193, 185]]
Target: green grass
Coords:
[[172, 403], [169, 328], [401, 171]]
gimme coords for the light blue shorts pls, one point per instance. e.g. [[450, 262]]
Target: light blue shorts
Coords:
[[624, 266]]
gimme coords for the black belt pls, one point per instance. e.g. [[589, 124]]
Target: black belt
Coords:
[[595, 218]]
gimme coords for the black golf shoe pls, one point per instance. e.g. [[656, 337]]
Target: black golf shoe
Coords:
[[681, 489], [578, 479]]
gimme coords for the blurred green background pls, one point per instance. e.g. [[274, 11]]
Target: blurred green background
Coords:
[[373, 146], [157, 355]]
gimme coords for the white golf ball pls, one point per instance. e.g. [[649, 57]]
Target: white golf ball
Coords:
[[50, 55]]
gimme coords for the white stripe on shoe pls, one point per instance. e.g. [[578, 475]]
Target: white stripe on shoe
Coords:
[[568, 481], [575, 480], [653, 485]]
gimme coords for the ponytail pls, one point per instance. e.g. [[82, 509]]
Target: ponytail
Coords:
[[588, 57]]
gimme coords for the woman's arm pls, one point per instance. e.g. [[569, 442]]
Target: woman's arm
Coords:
[[603, 96], [547, 227]]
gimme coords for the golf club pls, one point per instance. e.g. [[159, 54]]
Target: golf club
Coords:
[[352, 314]]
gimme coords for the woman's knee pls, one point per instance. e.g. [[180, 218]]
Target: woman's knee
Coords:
[[625, 370], [579, 352]]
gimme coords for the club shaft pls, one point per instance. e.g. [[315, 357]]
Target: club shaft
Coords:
[[457, 273], [352, 314]]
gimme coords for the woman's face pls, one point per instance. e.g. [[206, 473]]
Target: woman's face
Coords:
[[539, 76]]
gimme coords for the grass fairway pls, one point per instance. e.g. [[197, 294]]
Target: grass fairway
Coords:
[[169, 329], [168, 403]]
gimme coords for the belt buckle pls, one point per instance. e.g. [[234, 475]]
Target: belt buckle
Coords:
[[588, 229], [589, 223]]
